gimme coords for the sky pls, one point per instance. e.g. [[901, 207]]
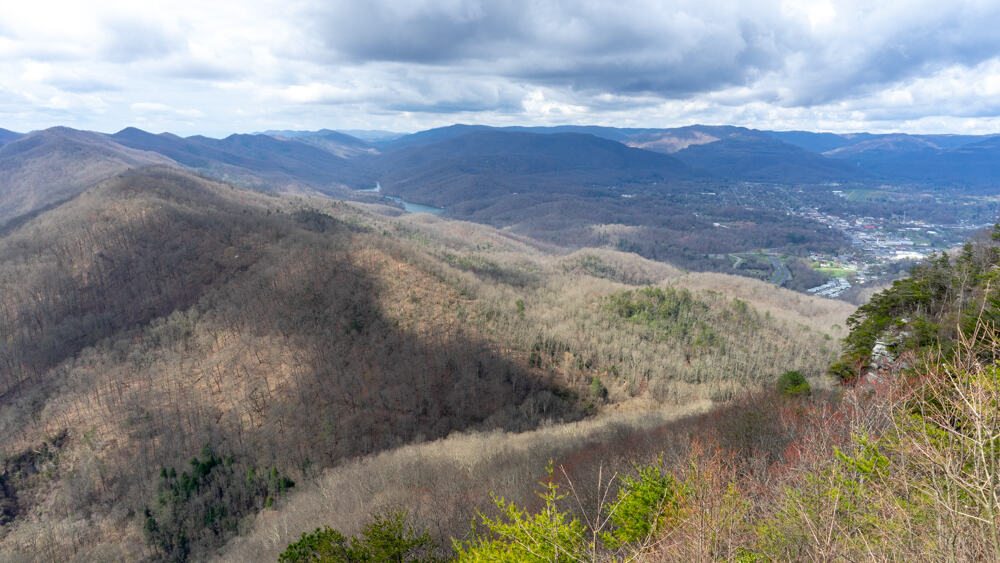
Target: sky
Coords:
[[216, 67]]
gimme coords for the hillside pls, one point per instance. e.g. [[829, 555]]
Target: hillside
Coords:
[[693, 196], [336, 143], [713, 152], [234, 332], [579, 190], [259, 161], [170, 317], [46, 167], [926, 313], [486, 164], [818, 142], [8, 136], [431, 136], [567, 188], [901, 466], [955, 161], [928, 161], [743, 154]]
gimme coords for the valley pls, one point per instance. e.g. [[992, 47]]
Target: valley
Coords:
[[297, 332], [200, 345], [383, 281], [696, 197]]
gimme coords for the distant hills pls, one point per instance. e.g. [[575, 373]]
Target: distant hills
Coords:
[[45, 167], [8, 136], [448, 166], [159, 316], [433, 164], [964, 161], [667, 194], [783, 157], [736, 153], [372, 136], [261, 160]]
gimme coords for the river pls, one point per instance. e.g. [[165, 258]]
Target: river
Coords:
[[408, 206]]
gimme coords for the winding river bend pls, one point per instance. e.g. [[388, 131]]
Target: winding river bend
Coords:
[[408, 206]]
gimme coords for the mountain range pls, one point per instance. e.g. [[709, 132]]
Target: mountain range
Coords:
[[437, 164], [179, 355], [660, 192], [176, 353]]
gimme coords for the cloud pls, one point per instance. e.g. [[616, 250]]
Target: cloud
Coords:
[[128, 40], [627, 47], [145, 108], [199, 69], [806, 53], [83, 85], [421, 31], [410, 64]]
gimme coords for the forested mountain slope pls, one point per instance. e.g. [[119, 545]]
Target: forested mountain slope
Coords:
[[484, 164], [578, 190], [45, 167], [899, 465], [7, 136], [157, 313], [946, 299], [177, 352], [339, 144], [260, 161]]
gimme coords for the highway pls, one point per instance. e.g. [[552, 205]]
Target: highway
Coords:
[[781, 273]]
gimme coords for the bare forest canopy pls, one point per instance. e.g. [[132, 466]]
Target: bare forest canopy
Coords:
[[178, 354], [900, 462], [209, 347]]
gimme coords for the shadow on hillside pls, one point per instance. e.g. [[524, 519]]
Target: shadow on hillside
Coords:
[[183, 320], [138, 247]]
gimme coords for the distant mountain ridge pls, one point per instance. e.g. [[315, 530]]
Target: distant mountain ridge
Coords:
[[474, 162], [715, 152], [328, 160], [8, 136], [969, 161], [341, 144], [253, 159], [45, 167], [460, 163], [370, 136]]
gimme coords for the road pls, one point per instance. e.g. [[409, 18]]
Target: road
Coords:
[[781, 273]]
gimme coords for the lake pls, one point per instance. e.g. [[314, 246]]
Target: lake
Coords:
[[408, 206]]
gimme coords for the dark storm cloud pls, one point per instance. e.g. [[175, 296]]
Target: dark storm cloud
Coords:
[[673, 50], [892, 45], [421, 31], [677, 55], [593, 46]]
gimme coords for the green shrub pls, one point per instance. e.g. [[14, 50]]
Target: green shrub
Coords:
[[645, 506], [388, 538], [202, 506], [793, 384], [516, 536], [597, 389]]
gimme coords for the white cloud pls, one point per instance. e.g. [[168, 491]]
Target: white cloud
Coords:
[[218, 67], [157, 108]]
